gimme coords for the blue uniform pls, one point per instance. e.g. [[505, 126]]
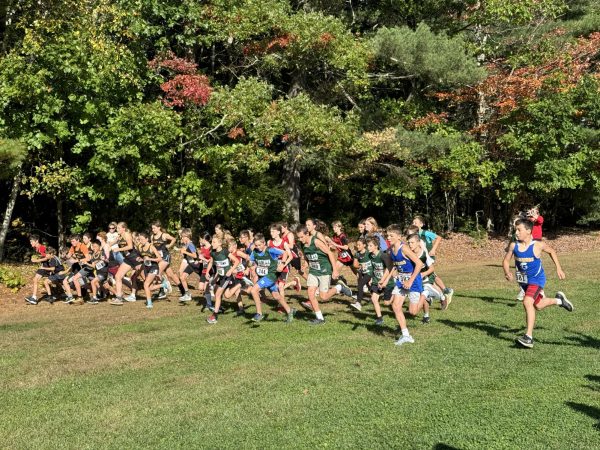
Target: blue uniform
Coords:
[[529, 267], [405, 268]]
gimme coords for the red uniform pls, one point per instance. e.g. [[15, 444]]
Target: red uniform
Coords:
[[344, 256], [536, 232]]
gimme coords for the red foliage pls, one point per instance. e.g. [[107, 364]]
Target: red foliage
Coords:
[[178, 65], [185, 89], [273, 45], [506, 91], [429, 119], [236, 132], [326, 38]]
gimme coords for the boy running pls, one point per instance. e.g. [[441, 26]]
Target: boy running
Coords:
[[531, 276], [43, 271]]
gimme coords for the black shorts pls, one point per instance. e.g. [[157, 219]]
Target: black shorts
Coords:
[[42, 272], [131, 261], [296, 263], [102, 274], [56, 277], [237, 281], [223, 282], [193, 267], [282, 277], [166, 256], [151, 269], [386, 292]]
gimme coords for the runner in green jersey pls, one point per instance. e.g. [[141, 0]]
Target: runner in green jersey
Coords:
[[224, 264], [382, 265], [364, 271], [321, 269]]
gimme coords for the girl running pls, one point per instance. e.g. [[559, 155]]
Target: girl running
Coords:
[[151, 257], [131, 261], [164, 242]]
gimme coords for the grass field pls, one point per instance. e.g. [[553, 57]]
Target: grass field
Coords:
[[109, 377]]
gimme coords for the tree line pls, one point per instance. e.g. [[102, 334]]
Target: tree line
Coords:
[[248, 111]]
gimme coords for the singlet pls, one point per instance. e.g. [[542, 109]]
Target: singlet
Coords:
[[318, 261], [160, 244], [529, 267], [405, 268], [147, 253], [266, 262], [427, 263], [281, 247], [122, 243], [97, 262], [364, 263], [380, 262], [221, 261], [343, 255]]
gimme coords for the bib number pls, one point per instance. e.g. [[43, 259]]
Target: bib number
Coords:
[[314, 265], [403, 277], [220, 271], [344, 255], [147, 262], [521, 277], [100, 265], [262, 271]]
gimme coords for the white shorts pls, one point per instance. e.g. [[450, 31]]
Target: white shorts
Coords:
[[323, 282], [431, 292], [413, 297]]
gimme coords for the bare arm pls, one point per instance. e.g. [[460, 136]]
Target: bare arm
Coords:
[[506, 262], [547, 249]]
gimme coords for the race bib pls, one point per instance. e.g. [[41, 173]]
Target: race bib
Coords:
[[314, 265], [402, 277], [521, 277], [262, 271], [100, 265], [344, 255], [220, 271], [147, 262], [378, 274]]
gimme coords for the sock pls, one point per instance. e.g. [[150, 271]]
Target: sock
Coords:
[[319, 315], [405, 332], [34, 297], [181, 289], [426, 314], [558, 301], [530, 337], [338, 288]]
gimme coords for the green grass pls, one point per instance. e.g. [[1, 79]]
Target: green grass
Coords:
[[90, 377]]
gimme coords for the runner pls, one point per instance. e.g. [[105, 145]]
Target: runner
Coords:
[[224, 263], [382, 283], [531, 276], [151, 258], [364, 269], [43, 271], [131, 262], [164, 242]]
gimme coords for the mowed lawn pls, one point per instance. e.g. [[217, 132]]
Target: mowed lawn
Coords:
[[123, 377]]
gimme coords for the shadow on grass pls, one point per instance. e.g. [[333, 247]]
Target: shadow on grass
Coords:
[[441, 446], [593, 379], [590, 411], [580, 340], [490, 329], [379, 330], [505, 301]]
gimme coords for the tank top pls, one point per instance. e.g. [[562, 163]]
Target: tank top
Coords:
[[160, 244], [221, 262], [529, 268], [280, 246], [343, 255], [405, 268], [266, 266], [318, 261], [364, 263]]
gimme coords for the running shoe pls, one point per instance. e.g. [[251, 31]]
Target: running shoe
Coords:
[[116, 301], [31, 300], [185, 297], [525, 341], [564, 302], [426, 320], [448, 293], [78, 301], [257, 317], [379, 321], [290, 316], [93, 301], [130, 298], [317, 322], [50, 299], [161, 294], [149, 304], [212, 319], [342, 278], [444, 303], [306, 305], [240, 312], [345, 289], [404, 340], [69, 300], [166, 284], [357, 306]]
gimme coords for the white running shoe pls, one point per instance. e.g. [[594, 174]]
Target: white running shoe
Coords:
[[130, 298], [405, 340], [357, 306]]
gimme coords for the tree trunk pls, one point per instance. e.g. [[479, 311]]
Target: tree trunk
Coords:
[[291, 183], [450, 210], [60, 224], [12, 200]]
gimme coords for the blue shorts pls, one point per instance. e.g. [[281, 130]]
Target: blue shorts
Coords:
[[267, 283]]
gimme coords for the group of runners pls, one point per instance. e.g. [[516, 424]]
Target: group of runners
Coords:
[[391, 265]]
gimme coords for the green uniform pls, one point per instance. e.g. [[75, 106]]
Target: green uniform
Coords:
[[266, 265], [221, 262], [318, 261], [365, 263], [426, 260], [380, 262]]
